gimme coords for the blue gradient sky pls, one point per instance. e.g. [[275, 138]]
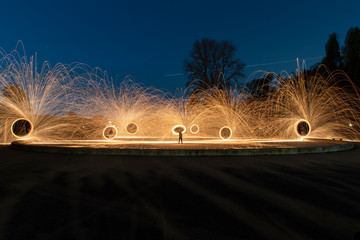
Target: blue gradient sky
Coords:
[[150, 39]]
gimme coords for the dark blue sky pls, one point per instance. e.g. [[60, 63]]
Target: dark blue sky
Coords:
[[150, 39]]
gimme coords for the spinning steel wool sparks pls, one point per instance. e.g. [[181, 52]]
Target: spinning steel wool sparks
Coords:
[[76, 102]]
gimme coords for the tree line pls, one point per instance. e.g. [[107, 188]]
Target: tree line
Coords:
[[346, 58], [213, 64]]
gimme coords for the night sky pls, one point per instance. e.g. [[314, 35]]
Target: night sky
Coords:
[[150, 39]]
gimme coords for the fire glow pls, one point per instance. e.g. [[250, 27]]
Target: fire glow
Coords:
[[76, 102]]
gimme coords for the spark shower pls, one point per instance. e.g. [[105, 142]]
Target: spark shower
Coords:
[[76, 102]]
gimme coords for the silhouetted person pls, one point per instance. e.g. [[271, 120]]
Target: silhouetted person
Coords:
[[180, 137], [302, 131], [357, 236]]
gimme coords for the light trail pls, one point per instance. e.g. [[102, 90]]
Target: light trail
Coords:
[[78, 103]]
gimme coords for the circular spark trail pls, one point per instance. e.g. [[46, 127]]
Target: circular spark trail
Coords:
[[77, 102], [110, 132], [194, 129], [225, 133], [302, 128], [132, 128], [178, 128], [21, 128]]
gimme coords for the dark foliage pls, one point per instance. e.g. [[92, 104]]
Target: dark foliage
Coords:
[[260, 87], [332, 57], [212, 64], [351, 54]]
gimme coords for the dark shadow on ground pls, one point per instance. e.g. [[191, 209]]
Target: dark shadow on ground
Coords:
[[54, 196]]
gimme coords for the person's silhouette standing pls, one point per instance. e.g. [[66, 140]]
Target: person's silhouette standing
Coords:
[[180, 137]]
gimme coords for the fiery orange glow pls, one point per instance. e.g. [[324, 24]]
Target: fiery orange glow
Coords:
[[132, 128], [194, 129], [76, 102], [21, 128], [302, 128], [225, 133], [110, 132], [178, 128]]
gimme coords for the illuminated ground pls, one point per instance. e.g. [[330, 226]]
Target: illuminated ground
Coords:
[[191, 147], [191, 144], [63, 196]]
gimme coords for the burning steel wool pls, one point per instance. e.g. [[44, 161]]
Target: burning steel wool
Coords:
[[76, 102]]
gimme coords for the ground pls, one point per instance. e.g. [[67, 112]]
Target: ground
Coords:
[[59, 196]]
